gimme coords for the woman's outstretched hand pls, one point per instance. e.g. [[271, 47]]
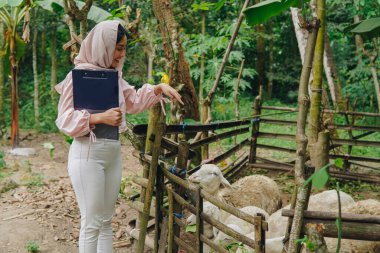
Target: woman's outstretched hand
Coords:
[[168, 91], [110, 117]]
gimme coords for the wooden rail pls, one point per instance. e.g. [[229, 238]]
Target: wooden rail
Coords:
[[354, 226]]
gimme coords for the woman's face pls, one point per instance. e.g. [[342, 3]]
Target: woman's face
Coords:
[[119, 52]]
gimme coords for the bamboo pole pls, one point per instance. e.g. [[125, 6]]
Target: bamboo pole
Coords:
[[144, 216], [154, 115], [199, 222], [214, 246], [159, 204], [335, 173], [214, 222], [236, 93], [218, 137], [315, 234], [181, 243], [290, 109], [259, 235], [332, 216], [163, 236], [170, 222], [255, 130], [183, 153], [319, 153], [303, 102], [221, 157]]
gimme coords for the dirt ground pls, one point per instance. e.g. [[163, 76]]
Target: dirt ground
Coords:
[[38, 204], [42, 207]]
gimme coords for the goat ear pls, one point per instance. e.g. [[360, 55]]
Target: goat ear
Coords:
[[225, 182]]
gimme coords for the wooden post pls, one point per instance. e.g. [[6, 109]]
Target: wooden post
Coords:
[[163, 236], [154, 115], [144, 216], [170, 222], [255, 130], [199, 232], [183, 153], [260, 235], [159, 204], [301, 138], [319, 154], [315, 234]]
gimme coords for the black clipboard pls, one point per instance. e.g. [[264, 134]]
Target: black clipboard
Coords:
[[97, 91]]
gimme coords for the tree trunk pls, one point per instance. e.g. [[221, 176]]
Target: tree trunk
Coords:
[[301, 36], [316, 88], [53, 54], [299, 168], [179, 71], [315, 234], [42, 58], [330, 64], [376, 84], [2, 79], [14, 93], [358, 38], [35, 75], [150, 68], [204, 148], [260, 57], [319, 154], [270, 63]]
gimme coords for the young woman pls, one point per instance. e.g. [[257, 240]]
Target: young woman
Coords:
[[94, 165]]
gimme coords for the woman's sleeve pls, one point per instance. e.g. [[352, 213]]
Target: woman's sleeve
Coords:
[[72, 122], [138, 101]]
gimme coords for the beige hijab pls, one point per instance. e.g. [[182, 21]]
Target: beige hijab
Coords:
[[98, 47]]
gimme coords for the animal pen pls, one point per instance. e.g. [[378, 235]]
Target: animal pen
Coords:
[[167, 181]]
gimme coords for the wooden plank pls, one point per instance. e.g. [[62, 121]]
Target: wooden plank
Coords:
[[139, 206], [361, 218], [218, 137], [336, 173], [163, 236], [223, 156]]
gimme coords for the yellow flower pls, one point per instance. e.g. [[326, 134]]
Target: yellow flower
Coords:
[[165, 79]]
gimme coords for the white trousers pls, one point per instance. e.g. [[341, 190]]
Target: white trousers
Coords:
[[96, 178]]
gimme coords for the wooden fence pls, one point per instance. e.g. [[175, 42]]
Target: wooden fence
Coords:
[[169, 186]]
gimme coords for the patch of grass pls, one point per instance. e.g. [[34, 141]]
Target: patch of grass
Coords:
[[32, 247], [4, 175], [2, 162], [354, 188], [37, 180]]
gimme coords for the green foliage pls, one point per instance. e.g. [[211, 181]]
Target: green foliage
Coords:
[[319, 178], [2, 162], [339, 163], [262, 11], [37, 180], [369, 28], [32, 247], [11, 3], [307, 242], [50, 147], [191, 228]]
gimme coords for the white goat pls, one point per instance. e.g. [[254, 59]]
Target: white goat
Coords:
[[209, 177], [255, 190], [326, 200], [239, 225], [210, 209], [369, 206], [273, 245]]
